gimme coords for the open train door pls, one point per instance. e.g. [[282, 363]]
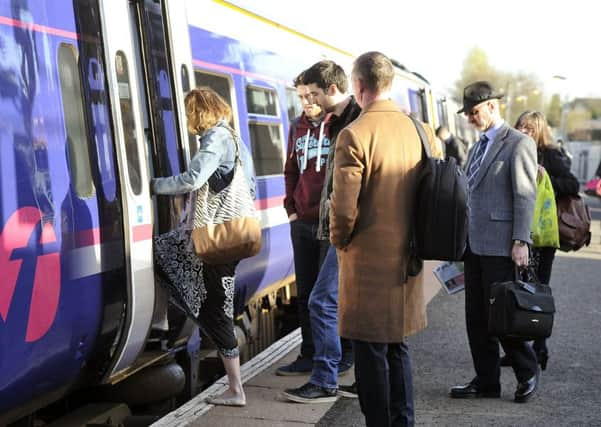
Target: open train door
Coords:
[[165, 67], [165, 60], [134, 177], [180, 54]]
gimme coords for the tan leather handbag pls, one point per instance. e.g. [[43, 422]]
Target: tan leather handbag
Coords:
[[226, 228]]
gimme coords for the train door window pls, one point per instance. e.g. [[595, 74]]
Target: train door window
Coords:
[[399, 94], [441, 110], [75, 121], [266, 144], [417, 102], [261, 101], [294, 106], [128, 122]]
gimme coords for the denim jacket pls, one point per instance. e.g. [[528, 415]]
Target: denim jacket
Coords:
[[213, 162]]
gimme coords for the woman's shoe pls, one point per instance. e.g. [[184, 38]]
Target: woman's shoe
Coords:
[[543, 357]]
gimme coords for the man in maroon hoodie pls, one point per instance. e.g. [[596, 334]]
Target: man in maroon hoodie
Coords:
[[304, 172]]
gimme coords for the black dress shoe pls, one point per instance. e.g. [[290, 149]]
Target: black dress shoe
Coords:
[[474, 390], [526, 389]]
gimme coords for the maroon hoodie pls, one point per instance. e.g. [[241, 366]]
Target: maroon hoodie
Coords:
[[303, 174]]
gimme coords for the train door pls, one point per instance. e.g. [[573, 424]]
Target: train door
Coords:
[[133, 177], [164, 59], [163, 47]]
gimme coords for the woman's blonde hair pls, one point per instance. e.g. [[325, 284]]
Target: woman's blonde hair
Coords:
[[538, 122], [204, 109]]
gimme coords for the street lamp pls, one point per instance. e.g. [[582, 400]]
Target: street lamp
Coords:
[[564, 106]]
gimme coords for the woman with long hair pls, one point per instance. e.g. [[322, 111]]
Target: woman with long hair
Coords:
[[554, 162], [208, 117]]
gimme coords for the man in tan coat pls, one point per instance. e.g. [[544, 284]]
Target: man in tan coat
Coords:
[[376, 163]]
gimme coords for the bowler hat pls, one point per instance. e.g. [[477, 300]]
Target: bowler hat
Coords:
[[477, 92]]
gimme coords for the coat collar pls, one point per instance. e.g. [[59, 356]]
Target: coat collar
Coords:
[[384, 105]]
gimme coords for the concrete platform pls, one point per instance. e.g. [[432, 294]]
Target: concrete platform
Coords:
[[263, 387], [569, 392]]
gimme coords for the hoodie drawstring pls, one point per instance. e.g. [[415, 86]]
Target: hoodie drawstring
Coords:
[[318, 160], [306, 150]]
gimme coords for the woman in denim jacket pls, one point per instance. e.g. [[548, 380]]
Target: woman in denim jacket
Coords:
[[208, 116]]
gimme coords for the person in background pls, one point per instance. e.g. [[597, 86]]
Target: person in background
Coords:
[[551, 159], [501, 176], [453, 145], [208, 117], [566, 154], [327, 84], [304, 172], [377, 165]]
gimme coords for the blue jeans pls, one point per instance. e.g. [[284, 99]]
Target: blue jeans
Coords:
[[323, 312]]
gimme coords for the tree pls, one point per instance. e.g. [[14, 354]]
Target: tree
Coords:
[[554, 111], [521, 90], [475, 67]]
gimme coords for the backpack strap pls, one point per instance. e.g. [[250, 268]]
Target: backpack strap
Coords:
[[422, 136], [414, 263]]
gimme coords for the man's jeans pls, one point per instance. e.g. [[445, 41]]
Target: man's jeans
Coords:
[[308, 254], [323, 311]]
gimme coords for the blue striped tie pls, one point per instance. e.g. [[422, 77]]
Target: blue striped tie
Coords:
[[477, 160]]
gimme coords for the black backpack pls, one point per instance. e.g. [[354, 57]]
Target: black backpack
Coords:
[[440, 212]]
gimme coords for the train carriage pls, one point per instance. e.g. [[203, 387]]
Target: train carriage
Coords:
[[91, 107]]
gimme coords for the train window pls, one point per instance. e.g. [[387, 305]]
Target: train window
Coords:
[[219, 84], [293, 104], [266, 144], [128, 121], [417, 102], [75, 121], [261, 101]]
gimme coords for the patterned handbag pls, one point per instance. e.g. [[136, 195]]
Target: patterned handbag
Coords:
[[226, 228], [178, 267]]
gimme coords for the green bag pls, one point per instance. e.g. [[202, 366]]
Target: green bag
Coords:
[[545, 229]]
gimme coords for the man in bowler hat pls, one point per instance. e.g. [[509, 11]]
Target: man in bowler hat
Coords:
[[501, 173]]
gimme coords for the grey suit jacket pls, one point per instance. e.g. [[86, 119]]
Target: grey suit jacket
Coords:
[[501, 200]]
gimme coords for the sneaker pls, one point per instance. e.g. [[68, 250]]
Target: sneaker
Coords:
[[310, 393], [348, 391], [301, 366]]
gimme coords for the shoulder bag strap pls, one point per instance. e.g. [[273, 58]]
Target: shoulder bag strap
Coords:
[[422, 137]]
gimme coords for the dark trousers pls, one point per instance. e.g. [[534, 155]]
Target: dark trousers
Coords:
[[309, 253], [480, 273], [543, 264], [384, 383], [216, 316]]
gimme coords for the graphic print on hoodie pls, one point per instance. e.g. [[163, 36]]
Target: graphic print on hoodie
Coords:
[[304, 172]]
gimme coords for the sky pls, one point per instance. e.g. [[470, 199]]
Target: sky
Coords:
[[433, 37]]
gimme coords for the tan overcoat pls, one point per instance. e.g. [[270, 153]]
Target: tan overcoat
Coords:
[[376, 162]]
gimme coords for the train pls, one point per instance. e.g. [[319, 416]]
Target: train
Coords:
[[91, 107]]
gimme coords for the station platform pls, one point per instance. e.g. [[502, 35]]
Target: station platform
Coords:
[[569, 391]]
